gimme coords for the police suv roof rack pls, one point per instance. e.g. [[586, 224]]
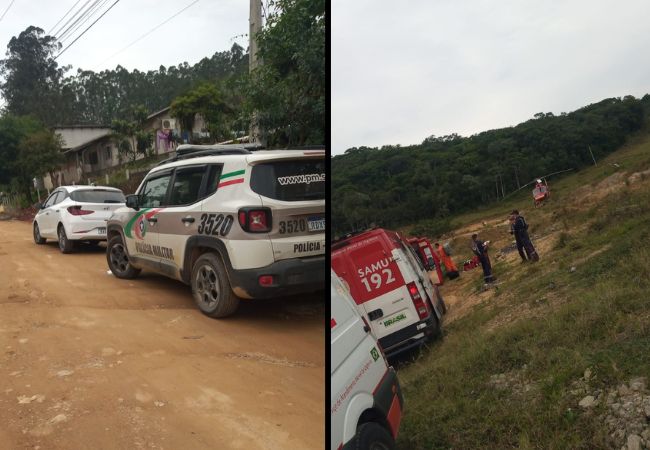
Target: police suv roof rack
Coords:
[[186, 151], [308, 147]]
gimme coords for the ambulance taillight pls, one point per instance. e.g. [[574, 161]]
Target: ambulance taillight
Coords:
[[420, 306]]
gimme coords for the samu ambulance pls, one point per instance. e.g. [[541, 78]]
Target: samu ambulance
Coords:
[[390, 286], [366, 401]]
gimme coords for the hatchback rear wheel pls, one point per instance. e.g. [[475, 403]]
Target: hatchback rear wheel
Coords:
[[65, 244], [37, 235], [211, 288]]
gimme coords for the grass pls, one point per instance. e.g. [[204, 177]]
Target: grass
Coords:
[[596, 317]]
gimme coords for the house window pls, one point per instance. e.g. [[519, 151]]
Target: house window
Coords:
[[92, 158], [108, 153]]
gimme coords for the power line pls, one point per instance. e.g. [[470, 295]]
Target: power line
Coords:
[[77, 23], [89, 27], [3, 14], [61, 34], [58, 31], [94, 8], [64, 16], [147, 33]]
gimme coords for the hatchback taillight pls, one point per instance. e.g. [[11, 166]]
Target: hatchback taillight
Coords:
[[420, 306], [77, 211], [255, 220]]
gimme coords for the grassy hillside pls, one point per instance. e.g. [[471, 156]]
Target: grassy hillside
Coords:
[[518, 358]]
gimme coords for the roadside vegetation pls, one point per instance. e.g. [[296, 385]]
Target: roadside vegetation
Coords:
[[511, 372]]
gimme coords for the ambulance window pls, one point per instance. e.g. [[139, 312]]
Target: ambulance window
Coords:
[[414, 256]]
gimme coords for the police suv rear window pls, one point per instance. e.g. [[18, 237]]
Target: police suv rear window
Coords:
[[290, 180], [97, 196]]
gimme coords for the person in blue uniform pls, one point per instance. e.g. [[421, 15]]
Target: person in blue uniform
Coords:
[[480, 249], [520, 230]]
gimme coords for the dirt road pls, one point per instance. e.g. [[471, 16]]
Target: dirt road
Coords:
[[91, 361]]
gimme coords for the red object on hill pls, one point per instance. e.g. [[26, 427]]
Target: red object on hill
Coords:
[[471, 263], [429, 258]]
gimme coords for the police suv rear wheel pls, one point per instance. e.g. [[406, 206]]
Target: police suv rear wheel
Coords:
[[118, 260], [211, 288], [372, 436]]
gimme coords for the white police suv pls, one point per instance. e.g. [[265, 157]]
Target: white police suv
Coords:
[[233, 223]]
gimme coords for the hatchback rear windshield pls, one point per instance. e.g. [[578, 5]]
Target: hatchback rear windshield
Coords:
[[290, 180], [97, 196]]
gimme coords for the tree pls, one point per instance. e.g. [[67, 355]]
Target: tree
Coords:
[[129, 135], [27, 151], [32, 77], [287, 92], [39, 154], [208, 101]]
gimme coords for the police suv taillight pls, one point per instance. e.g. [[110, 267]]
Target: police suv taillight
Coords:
[[420, 306], [255, 220]]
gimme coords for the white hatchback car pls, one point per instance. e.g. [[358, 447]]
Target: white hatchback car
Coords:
[[76, 213]]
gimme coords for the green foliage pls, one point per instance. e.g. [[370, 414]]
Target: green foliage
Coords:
[[431, 228], [451, 174], [32, 79], [35, 84], [27, 150], [287, 92], [39, 154], [208, 101], [130, 137]]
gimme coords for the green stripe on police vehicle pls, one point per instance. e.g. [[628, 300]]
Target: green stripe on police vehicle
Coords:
[[232, 174], [129, 226]]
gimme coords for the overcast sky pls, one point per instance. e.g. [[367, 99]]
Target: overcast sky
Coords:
[[405, 70], [203, 29]]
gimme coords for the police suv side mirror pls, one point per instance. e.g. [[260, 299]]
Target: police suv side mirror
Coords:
[[133, 201]]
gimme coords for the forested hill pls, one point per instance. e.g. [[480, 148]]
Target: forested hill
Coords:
[[426, 183], [99, 97], [35, 85]]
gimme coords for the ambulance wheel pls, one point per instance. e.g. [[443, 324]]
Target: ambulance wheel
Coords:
[[443, 305], [372, 436], [437, 334], [441, 302]]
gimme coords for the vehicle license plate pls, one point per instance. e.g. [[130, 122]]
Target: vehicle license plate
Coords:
[[316, 224]]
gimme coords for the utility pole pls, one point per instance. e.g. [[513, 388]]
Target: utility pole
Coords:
[[517, 178], [592, 155], [503, 192], [255, 26]]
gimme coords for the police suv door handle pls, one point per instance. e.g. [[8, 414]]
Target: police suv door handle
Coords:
[[188, 219]]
